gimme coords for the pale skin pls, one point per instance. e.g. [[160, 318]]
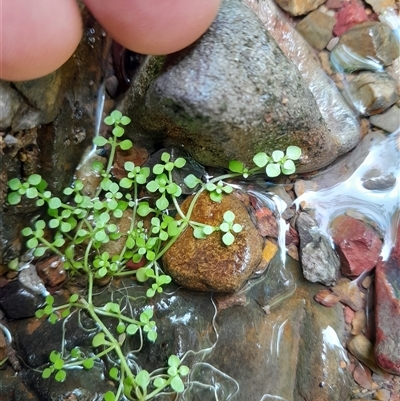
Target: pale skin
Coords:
[[38, 36]]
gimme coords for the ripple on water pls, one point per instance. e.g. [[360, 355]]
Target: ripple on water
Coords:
[[373, 190]]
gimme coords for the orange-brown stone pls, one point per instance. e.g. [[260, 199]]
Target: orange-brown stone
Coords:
[[208, 264]]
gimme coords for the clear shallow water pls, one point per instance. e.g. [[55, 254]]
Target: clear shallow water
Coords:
[[373, 191]]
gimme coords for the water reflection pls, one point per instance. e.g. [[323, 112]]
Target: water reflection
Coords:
[[373, 190]]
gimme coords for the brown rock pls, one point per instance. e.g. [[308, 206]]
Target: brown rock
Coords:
[[362, 376], [387, 311], [379, 5], [266, 223], [359, 321], [363, 350], [316, 28], [326, 298], [388, 121], [372, 39], [351, 14], [349, 293], [51, 271], [299, 7], [208, 264], [357, 244], [348, 314], [373, 93]]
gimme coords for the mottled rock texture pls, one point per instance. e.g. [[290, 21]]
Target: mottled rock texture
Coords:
[[357, 244], [208, 264], [230, 95]]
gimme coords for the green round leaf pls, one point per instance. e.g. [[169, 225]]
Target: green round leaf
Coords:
[[183, 370], [236, 166], [54, 203], [116, 115], [60, 376], [143, 379], [47, 373], [162, 203], [124, 120], [59, 364], [191, 181], [143, 209], [31, 193], [114, 373], [75, 352], [199, 233], [39, 313], [32, 243], [59, 242], [109, 396], [207, 230], [14, 184], [54, 356], [118, 131], [54, 223], [152, 335], [228, 238], [261, 159], [34, 179], [88, 363], [73, 298], [98, 166], [126, 183], [126, 144], [229, 216], [288, 167], [173, 360], [159, 382], [102, 272], [100, 141], [120, 327], [40, 225], [98, 339], [293, 152], [13, 198], [216, 197], [237, 228], [179, 162], [277, 156], [100, 236], [177, 384], [132, 329], [40, 202], [40, 251], [65, 313], [165, 157], [273, 170], [109, 120]]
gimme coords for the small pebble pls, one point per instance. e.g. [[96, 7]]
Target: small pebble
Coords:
[[367, 282]]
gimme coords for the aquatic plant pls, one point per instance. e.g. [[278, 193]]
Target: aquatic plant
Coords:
[[82, 226]]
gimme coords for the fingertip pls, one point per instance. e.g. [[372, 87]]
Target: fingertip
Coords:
[[155, 26], [37, 37]]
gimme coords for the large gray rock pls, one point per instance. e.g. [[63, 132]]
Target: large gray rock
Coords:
[[342, 122], [228, 96]]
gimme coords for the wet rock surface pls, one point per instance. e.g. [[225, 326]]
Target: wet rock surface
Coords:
[[387, 311], [208, 264], [319, 261], [372, 39], [373, 93], [263, 341], [357, 244], [182, 97]]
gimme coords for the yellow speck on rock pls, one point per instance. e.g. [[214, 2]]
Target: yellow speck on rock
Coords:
[[269, 251]]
